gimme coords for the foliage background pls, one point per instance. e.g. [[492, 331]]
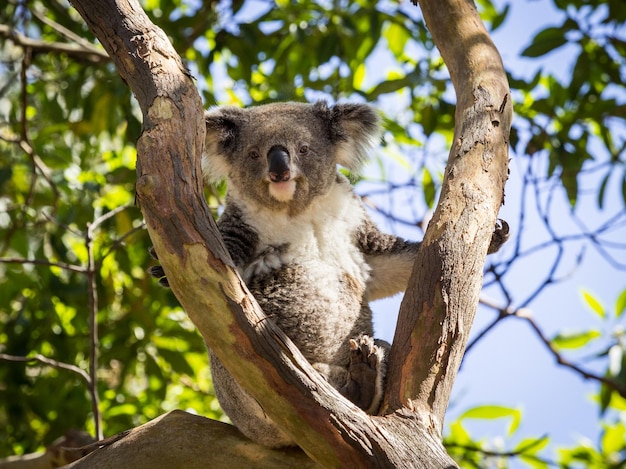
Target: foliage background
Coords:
[[73, 249]]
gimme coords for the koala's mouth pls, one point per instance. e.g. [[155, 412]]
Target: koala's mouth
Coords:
[[283, 191]]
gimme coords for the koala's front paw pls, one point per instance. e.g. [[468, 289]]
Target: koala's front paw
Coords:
[[366, 372], [499, 237], [157, 271], [267, 260]]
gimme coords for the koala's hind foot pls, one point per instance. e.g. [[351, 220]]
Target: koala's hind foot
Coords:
[[366, 372], [157, 271]]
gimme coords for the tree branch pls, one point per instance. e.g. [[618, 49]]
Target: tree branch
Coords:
[[50, 362], [60, 265], [439, 307], [610, 383], [82, 52]]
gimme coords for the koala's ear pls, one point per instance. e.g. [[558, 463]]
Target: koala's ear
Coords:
[[357, 130], [222, 130]]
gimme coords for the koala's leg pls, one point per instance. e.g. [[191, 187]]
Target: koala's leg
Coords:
[[366, 372], [244, 411]]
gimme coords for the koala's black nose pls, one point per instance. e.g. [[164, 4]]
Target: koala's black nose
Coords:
[[278, 162]]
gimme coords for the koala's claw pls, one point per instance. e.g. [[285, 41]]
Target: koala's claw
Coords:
[[366, 372], [499, 237], [157, 271]]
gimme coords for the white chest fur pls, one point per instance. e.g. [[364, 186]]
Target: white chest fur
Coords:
[[320, 239]]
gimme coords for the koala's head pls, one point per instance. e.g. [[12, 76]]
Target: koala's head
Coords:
[[282, 156]]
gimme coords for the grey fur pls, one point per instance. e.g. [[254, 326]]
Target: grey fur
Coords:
[[305, 246]]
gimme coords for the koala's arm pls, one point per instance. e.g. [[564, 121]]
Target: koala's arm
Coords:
[[240, 239], [390, 259]]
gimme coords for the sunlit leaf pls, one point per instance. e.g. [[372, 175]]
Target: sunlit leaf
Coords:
[[573, 340], [593, 303], [613, 439], [397, 37], [490, 412], [359, 76], [534, 462], [620, 304], [531, 445]]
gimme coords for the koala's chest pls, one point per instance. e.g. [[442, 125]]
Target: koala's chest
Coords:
[[320, 244], [324, 250]]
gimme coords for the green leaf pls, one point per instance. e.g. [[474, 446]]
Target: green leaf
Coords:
[[428, 187], [573, 340], [459, 434], [397, 37], [605, 398], [499, 18], [545, 41], [359, 76], [534, 463], [490, 412], [613, 440], [594, 303], [602, 190], [122, 409], [620, 304], [532, 445]]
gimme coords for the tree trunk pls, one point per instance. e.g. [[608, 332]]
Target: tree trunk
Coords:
[[436, 314]]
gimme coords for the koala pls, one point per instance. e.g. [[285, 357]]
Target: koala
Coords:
[[304, 244]]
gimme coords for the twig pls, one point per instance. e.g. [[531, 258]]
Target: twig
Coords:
[[119, 242], [101, 219], [92, 302], [502, 314], [63, 31], [48, 361], [507, 454], [91, 53], [562, 361], [61, 265]]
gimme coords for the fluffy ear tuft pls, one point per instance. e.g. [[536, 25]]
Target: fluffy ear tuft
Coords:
[[357, 129], [222, 128]]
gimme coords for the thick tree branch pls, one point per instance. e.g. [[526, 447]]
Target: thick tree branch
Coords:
[[163, 444], [438, 309]]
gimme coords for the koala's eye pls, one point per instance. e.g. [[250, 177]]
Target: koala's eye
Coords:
[[254, 155], [303, 150]]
